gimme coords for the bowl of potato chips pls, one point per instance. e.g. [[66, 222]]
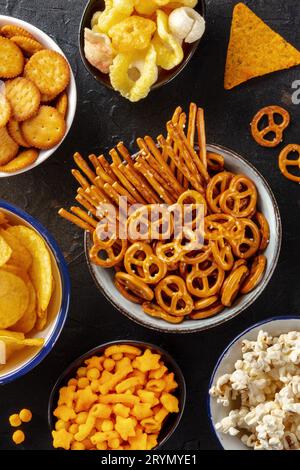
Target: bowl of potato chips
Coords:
[[34, 292], [134, 46], [122, 395], [38, 96]]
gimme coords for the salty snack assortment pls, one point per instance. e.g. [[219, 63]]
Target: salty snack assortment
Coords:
[[262, 393], [174, 277], [117, 401], [33, 101], [134, 41], [26, 287]]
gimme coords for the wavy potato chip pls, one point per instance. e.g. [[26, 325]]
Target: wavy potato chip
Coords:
[[14, 298], [115, 11], [20, 255], [140, 65], [41, 269], [28, 320], [5, 251], [169, 51]]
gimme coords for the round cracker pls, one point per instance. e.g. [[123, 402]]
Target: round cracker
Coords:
[[5, 110], [15, 132], [10, 30], [62, 104], [49, 70], [46, 129], [11, 59], [24, 98], [47, 98], [28, 45], [14, 299], [23, 160], [8, 147]]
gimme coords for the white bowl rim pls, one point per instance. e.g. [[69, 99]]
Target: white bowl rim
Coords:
[[226, 350], [62, 314], [71, 90], [176, 329]]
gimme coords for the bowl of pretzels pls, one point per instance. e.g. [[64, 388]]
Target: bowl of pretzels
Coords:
[[196, 234]]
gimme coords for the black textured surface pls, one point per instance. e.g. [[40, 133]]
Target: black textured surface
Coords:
[[103, 118]]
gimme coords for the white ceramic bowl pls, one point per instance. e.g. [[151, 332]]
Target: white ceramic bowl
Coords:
[[26, 359], [274, 326], [44, 39], [266, 203]]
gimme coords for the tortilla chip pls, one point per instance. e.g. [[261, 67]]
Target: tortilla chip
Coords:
[[255, 49]]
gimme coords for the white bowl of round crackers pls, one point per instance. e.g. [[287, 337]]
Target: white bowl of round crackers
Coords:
[[69, 101]]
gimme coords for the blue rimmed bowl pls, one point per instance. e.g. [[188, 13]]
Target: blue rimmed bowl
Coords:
[[225, 365], [27, 359]]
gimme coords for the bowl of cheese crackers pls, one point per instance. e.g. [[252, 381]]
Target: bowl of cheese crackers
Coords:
[[34, 292], [37, 96], [123, 395]]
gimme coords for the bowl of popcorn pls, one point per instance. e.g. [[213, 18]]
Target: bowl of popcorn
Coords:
[[34, 293], [37, 96], [123, 395], [133, 46], [254, 396]]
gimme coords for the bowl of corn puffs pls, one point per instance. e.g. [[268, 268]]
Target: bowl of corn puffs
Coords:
[[136, 46], [123, 395]]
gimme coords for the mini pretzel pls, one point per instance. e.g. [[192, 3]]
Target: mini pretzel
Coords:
[[217, 185], [232, 285], [205, 280], [170, 252], [215, 161], [264, 228], [285, 162], [197, 256], [240, 199], [131, 287], [141, 255], [209, 312], [203, 304], [248, 244], [260, 135], [111, 255], [221, 225], [256, 273], [151, 222], [222, 253], [172, 296], [193, 199], [156, 311]]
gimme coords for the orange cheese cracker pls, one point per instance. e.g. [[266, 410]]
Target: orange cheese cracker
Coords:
[[255, 49]]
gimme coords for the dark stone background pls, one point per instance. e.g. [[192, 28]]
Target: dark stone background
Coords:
[[103, 118]]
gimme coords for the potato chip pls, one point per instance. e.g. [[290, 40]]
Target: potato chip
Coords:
[[14, 298], [13, 344], [20, 256], [134, 32], [15, 133], [41, 269], [41, 321], [3, 218], [28, 320], [255, 49], [11, 59], [24, 98], [5, 110], [5, 251], [28, 45], [8, 147], [169, 51], [49, 70], [115, 11], [23, 160], [141, 66]]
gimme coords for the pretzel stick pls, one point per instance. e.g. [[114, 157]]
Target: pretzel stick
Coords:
[[142, 168], [124, 193], [87, 205], [115, 157], [86, 196], [202, 137], [94, 160], [84, 167], [158, 171], [144, 188], [84, 216], [192, 124], [80, 178], [125, 154], [181, 123], [104, 176], [100, 195], [75, 220], [195, 157], [156, 174], [106, 167], [130, 188], [112, 193]]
